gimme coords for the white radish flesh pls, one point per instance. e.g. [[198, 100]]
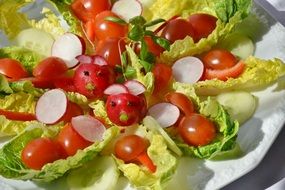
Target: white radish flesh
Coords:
[[127, 9], [165, 114], [116, 89], [84, 59], [99, 60], [51, 106], [135, 87], [89, 128], [68, 47], [188, 70]]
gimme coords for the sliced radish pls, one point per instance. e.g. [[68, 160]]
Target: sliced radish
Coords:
[[84, 59], [51, 106], [165, 114], [127, 9], [135, 87], [99, 60], [188, 70], [68, 47], [116, 89], [88, 127]]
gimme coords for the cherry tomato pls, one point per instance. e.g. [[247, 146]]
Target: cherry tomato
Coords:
[[128, 148], [12, 68], [197, 130], [125, 109], [219, 59], [71, 141], [40, 82], [162, 75], [41, 151], [72, 110], [110, 49], [91, 80], [88, 9], [19, 116], [181, 101], [178, 29], [108, 29], [50, 68], [203, 24], [225, 74], [153, 47]]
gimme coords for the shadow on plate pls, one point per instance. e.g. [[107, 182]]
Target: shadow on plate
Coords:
[[191, 174]]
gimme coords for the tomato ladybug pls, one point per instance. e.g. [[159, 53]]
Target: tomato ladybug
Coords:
[[125, 109], [91, 80]]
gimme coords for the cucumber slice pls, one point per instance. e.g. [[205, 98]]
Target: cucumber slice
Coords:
[[239, 104], [153, 125], [239, 44], [35, 40], [101, 173]]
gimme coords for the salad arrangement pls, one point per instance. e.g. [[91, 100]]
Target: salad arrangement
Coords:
[[125, 90]]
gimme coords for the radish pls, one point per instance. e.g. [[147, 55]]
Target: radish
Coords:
[[99, 60], [116, 89], [84, 58], [68, 47], [135, 87], [89, 128], [165, 114], [51, 106], [188, 70], [127, 9]]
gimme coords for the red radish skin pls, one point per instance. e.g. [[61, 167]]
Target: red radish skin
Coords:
[[166, 114], [127, 9], [188, 70], [135, 87], [116, 89], [89, 128], [68, 47], [51, 106]]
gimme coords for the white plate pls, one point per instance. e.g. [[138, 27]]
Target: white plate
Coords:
[[255, 136]]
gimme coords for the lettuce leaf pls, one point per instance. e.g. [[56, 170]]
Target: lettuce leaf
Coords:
[[229, 13], [27, 58], [227, 129], [4, 86], [166, 165], [146, 79], [258, 74], [11, 165], [11, 20]]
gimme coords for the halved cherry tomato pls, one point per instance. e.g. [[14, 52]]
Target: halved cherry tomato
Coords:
[[50, 68], [88, 9], [178, 29], [162, 75], [164, 24], [203, 24], [19, 116], [12, 69], [153, 47], [133, 148], [89, 28], [39, 82], [110, 49], [108, 29], [71, 141], [225, 74], [72, 110], [219, 59], [197, 130], [181, 101], [41, 151]]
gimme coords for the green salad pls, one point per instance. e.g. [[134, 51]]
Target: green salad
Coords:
[[96, 91]]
